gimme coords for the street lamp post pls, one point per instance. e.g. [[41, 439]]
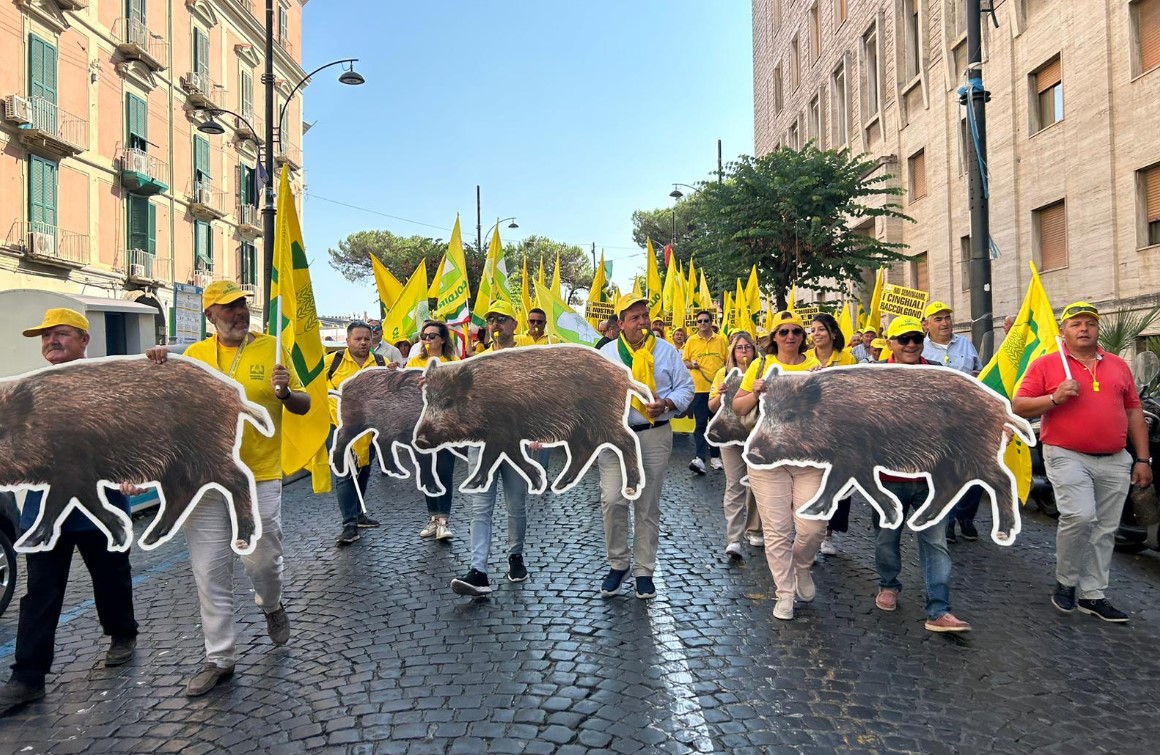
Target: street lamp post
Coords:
[[677, 194]]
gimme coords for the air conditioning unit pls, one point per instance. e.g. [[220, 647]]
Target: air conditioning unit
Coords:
[[136, 161], [17, 109], [202, 278], [43, 244], [136, 271], [205, 197]]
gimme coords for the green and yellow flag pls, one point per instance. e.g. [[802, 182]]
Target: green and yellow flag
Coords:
[[596, 292], [388, 285], [1032, 336], [563, 321], [453, 287], [493, 284], [653, 284], [410, 308], [300, 335], [525, 296], [668, 289]]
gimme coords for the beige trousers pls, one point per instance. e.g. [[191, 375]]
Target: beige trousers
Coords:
[[656, 446], [741, 516], [779, 492]]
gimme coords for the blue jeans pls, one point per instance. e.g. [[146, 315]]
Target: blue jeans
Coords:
[[515, 495], [349, 500], [700, 409], [440, 505], [933, 554]]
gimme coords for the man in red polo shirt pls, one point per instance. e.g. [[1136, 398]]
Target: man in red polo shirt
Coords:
[[1087, 417]]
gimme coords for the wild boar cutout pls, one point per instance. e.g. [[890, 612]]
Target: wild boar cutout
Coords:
[[921, 422], [71, 430], [558, 395], [385, 404]]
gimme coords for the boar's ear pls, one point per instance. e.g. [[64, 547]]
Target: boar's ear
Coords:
[[810, 393], [16, 407], [432, 365], [464, 380]]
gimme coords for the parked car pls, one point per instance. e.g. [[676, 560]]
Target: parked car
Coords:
[[9, 531]]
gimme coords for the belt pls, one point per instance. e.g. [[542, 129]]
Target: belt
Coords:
[[642, 428]]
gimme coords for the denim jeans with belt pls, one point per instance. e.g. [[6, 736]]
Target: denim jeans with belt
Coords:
[[515, 495], [933, 554]]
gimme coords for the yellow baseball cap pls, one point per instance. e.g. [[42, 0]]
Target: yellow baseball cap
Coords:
[[878, 343], [59, 316], [627, 301], [934, 308], [501, 307], [904, 324], [222, 292], [785, 317], [1079, 308]]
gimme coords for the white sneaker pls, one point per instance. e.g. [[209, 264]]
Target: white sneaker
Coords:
[[715, 463], [784, 609], [442, 530], [429, 529], [806, 591], [733, 550], [697, 465], [828, 547], [757, 541]]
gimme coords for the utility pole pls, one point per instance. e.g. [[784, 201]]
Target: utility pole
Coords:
[[594, 258], [975, 98], [478, 221], [720, 166], [268, 208]]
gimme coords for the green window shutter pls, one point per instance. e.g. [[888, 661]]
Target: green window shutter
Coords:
[[203, 246], [247, 93], [137, 116], [41, 69], [135, 9], [151, 238], [246, 185], [42, 177], [200, 159], [200, 52], [137, 209]]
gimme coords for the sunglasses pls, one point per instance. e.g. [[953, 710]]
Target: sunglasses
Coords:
[[376, 329], [704, 322], [906, 339], [430, 336], [798, 332], [1073, 311], [497, 319], [537, 322]]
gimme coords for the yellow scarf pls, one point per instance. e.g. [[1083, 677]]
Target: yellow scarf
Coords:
[[643, 367]]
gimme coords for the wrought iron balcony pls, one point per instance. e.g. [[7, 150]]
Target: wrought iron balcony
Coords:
[[135, 41], [44, 127], [143, 173]]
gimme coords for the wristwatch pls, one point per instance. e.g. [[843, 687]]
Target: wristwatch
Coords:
[[1147, 461]]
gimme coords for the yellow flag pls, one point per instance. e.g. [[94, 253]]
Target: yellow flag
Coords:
[[653, 284], [752, 292], [540, 276], [388, 285], [742, 318], [433, 289], [493, 284], [410, 308], [691, 286], [846, 322], [303, 436], [727, 314], [1032, 336], [524, 284], [792, 303], [636, 287], [680, 304], [596, 291], [874, 316], [453, 287], [670, 284], [563, 322], [704, 295], [556, 279]]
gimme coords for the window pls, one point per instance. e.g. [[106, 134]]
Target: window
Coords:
[[141, 217], [247, 186], [777, 90], [1048, 85], [840, 12], [921, 272], [135, 11], [201, 172], [815, 119], [42, 81], [246, 95], [965, 263], [137, 122], [248, 264], [792, 139], [917, 173], [912, 40], [1051, 234], [42, 184], [202, 247], [964, 148], [956, 20], [1146, 15], [1150, 200], [795, 71], [815, 34], [201, 52], [870, 101], [283, 22], [839, 108]]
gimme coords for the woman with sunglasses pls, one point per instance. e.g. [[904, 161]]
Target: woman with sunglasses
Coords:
[[791, 542], [829, 345], [741, 517], [436, 344]]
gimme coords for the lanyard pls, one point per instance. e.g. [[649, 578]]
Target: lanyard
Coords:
[[1092, 372], [237, 356]]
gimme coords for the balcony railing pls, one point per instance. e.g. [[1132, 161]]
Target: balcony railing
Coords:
[[249, 219], [202, 278], [205, 201], [242, 127], [250, 288], [288, 154], [202, 91], [144, 267], [285, 44], [51, 244], [143, 173], [137, 42], [44, 125]]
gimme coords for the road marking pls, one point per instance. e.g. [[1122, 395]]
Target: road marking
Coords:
[[687, 711]]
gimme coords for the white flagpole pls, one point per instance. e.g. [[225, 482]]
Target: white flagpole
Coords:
[[1063, 357], [278, 330]]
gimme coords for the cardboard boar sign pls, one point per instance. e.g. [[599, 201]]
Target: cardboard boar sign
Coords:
[[559, 395], [923, 422], [71, 430]]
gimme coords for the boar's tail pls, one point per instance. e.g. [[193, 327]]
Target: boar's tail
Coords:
[[257, 415], [1020, 427], [640, 390]]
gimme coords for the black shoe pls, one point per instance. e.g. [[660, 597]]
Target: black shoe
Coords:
[[517, 572], [951, 531], [611, 585], [474, 584], [645, 589], [278, 626], [120, 651], [348, 536], [18, 693], [970, 534], [1102, 609], [206, 679], [366, 522], [1064, 597]]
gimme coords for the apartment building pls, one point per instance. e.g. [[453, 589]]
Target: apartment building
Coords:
[[1074, 166], [107, 188]]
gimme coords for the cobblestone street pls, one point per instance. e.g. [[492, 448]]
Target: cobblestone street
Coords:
[[384, 658]]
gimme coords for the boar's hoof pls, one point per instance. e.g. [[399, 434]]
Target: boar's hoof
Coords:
[[1002, 536], [629, 492]]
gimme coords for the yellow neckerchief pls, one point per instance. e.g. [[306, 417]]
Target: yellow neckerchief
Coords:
[[643, 367]]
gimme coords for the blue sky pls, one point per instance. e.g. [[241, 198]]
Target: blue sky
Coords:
[[568, 115]]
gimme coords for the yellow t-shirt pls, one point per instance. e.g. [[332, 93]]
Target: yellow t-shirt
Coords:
[[346, 369], [710, 355], [421, 361], [837, 359], [719, 379], [520, 340], [751, 375], [543, 340], [252, 368]]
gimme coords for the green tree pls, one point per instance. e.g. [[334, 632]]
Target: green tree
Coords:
[[791, 214], [400, 254], [576, 268]]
